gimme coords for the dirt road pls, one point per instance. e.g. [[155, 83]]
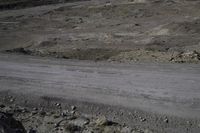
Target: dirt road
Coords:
[[171, 89]]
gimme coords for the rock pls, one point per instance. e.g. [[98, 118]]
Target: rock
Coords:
[[20, 50], [2, 106], [35, 109], [43, 113], [102, 121], [142, 119], [20, 109], [189, 123], [189, 56], [80, 121], [72, 128], [148, 131], [56, 116], [33, 113], [64, 113], [110, 130], [9, 125], [58, 104], [12, 100], [126, 130], [137, 24], [72, 112], [9, 110], [87, 131], [73, 107], [166, 120], [32, 131]]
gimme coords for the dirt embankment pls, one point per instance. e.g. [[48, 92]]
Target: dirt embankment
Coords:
[[133, 30]]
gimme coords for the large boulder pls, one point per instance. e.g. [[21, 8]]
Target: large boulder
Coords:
[[9, 125]]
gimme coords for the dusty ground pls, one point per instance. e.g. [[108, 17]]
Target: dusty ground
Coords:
[[133, 30], [40, 120]]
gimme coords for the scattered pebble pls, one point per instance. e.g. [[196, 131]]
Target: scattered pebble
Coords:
[[189, 123], [143, 120], [73, 107], [35, 109], [12, 100], [166, 120], [58, 104], [72, 112]]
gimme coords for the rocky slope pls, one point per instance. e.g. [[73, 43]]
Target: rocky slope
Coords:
[[130, 30]]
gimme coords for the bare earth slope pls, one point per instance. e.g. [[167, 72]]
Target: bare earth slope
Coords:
[[137, 30]]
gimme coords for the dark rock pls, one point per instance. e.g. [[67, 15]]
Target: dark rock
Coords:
[[72, 128], [137, 24], [2, 106], [43, 113], [9, 125], [32, 131], [20, 50]]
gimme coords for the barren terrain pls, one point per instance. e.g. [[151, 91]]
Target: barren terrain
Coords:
[[138, 85]]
